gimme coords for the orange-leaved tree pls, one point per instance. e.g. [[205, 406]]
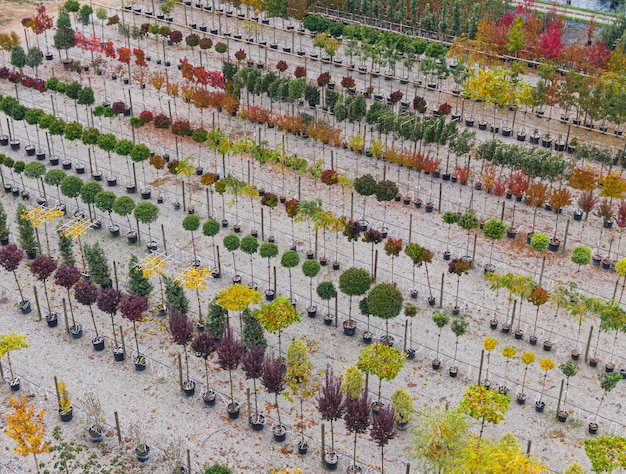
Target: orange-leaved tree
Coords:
[[26, 429]]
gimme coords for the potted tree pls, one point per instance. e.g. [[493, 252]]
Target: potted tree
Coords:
[[95, 415], [10, 258], [381, 360], [203, 344], [494, 230], [277, 315], [250, 245], [489, 344], [458, 266], [383, 430], [147, 213], [330, 404], [108, 302], [483, 405], [86, 293], [326, 291], [66, 276], [123, 206], [546, 365], [181, 328], [311, 268], [253, 362], [353, 282], [42, 267], [269, 250], [232, 243], [8, 343], [228, 357], [132, 308], [385, 302], [459, 328], [273, 379], [527, 359], [420, 255], [357, 416], [402, 404], [608, 381], [441, 319]]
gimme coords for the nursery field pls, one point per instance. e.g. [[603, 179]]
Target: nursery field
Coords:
[[181, 205]]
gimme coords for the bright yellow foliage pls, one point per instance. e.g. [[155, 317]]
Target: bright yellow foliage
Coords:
[[490, 343], [612, 186], [14, 342], [76, 229], [64, 397], [26, 428], [528, 357], [194, 278], [285, 471], [237, 297], [154, 264], [40, 214], [546, 364], [509, 352]]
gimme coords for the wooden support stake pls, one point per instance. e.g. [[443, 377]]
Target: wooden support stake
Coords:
[[274, 279], [565, 238], [352, 206], [615, 289], [513, 315], [408, 468], [208, 203], [480, 367], [138, 233], [543, 265], [336, 311], [375, 266], [443, 277], [163, 237], [262, 224], [316, 240], [410, 226], [299, 188], [37, 303], [528, 446], [440, 193], [56, 389], [248, 398], [117, 287], [503, 208], [219, 261], [180, 372], [67, 326], [558, 405], [189, 451], [588, 344], [323, 450], [474, 252], [182, 185], [406, 328], [117, 429], [135, 176]]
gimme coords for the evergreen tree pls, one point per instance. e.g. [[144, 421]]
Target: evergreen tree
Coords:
[[443, 21], [4, 225], [253, 333], [27, 238], [456, 18], [34, 57], [216, 320], [98, 264], [18, 57], [175, 296], [472, 24], [66, 250], [137, 283], [64, 35], [365, 7]]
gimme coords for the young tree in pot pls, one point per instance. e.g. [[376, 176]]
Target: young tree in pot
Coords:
[[420, 255], [608, 381], [357, 417], [27, 237], [538, 297], [449, 218], [374, 237], [191, 223], [539, 242], [311, 268], [237, 297], [581, 255], [229, 356], [10, 258], [546, 365], [301, 381], [147, 213], [104, 201], [4, 227], [210, 229], [290, 259], [175, 296], [366, 186], [66, 276], [98, 264], [232, 243], [70, 187], [43, 267], [252, 333], [8, 343], [402, 403], [385, 191], [494, 230], [353, 282], [250, 246], [559, 198], [330, 404], [458, 267], [277, 315], [274, 381], [381, 360], [326, 291], [181, 328], [527, 359], [108, 301], [269, 250], [383, 430], [441, 319], [393, 247], [483, 405], [606, 454], [385, 301], [569, 369], [468, 221], [88, 193], [489, 344], [86, 293], [138, 282], [132, 308], [459, 328], [123, 206], [253, 362], [203, 344]]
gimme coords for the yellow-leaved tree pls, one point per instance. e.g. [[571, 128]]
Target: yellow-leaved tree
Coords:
[[26, 429]]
